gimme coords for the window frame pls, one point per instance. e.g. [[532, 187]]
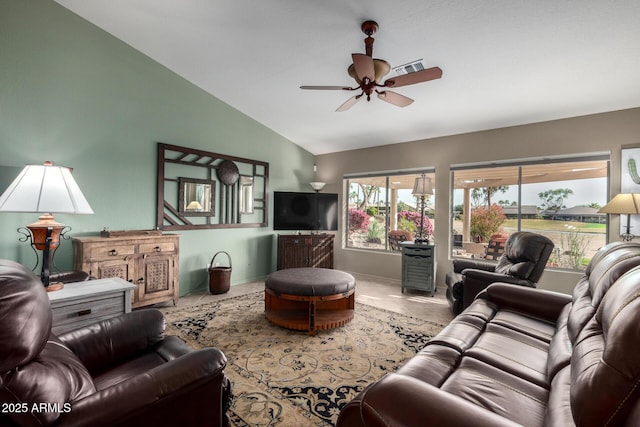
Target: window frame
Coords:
[[347, 180], [521, 164]]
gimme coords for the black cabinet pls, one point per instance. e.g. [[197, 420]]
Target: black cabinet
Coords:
[[418, 267]]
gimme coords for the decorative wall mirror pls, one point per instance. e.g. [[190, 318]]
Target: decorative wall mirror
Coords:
[[246, 194], [195, 198], [200, 189]]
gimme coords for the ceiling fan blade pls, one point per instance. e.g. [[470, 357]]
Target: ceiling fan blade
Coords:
[[349, 103], [326, 87], [413, 78], [364, 66], [395, 98]]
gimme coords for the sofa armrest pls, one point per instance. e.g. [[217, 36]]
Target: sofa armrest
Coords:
[[488, 277], [475, 281], [536, 302], [110, 341], [157, 393], [460, 264], [406, 401]]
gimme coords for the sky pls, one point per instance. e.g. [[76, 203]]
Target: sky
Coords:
[[585, 192]]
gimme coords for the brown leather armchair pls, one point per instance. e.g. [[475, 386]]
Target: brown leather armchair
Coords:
[[522, 263], [119, 372]]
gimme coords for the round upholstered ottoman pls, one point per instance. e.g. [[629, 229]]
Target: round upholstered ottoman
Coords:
[[309, 299]]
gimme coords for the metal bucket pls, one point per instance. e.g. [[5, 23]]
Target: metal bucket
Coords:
[[219, 277]]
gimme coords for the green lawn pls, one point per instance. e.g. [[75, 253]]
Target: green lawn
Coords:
[[549, 225]]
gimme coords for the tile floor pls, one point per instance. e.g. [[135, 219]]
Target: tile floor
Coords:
[[376, 291]]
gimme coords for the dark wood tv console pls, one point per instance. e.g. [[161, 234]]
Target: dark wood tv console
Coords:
[[305, 250]]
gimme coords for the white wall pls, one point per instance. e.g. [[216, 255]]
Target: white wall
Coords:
[[593, 133]]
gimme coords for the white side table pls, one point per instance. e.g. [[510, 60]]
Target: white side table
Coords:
[[82, 303]]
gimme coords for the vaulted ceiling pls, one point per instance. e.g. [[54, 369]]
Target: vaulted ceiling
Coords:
[[504, 62]]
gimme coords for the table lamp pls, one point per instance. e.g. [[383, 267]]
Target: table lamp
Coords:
[[624, 203], [45, 189], [422, 188]]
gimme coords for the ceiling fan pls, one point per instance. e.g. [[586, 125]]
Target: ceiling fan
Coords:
[[368, 71]]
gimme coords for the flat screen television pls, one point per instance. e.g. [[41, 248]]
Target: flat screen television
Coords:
[[305, 211]]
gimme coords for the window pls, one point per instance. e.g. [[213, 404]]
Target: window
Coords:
[[381, 210], [558, 198]]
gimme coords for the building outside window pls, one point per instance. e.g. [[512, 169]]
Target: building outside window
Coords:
[[558, 198], [382, 211]]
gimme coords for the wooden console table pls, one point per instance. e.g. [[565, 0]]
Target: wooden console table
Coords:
[[150, 262], [82, 303]]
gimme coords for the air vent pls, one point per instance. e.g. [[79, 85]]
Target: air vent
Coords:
[[408, 68]]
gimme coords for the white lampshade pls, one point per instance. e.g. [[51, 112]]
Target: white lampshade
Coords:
[[44, 188], [422, 186], [624, 203]]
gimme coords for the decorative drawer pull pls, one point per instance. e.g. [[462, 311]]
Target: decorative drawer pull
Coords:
[[157, 249], [141, 280], [84, 312], [113, 252]]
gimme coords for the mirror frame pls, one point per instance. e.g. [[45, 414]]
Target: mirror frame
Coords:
[[183, 206], [197, 166]]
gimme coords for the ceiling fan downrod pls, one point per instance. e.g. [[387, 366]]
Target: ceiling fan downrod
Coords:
[[369, 28]]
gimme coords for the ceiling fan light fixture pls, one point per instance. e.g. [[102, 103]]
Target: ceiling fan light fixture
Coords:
[[368, 73], [380, 66]]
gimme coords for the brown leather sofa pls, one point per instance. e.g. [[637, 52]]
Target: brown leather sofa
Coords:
[[119, 372], [525, 356], [522, 263]]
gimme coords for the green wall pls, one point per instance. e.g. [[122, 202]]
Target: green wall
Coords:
[[73, 94]]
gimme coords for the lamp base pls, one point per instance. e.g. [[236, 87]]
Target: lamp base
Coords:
[[54, 287]]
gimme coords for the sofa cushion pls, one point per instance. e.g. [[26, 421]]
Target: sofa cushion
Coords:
[[559, 406], [498, 391], [535, 327], [433, 364], [170, 348], [513, 352], [461, 333], [560, 347]]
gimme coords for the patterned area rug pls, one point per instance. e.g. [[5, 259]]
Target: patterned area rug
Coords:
[[288, 378]]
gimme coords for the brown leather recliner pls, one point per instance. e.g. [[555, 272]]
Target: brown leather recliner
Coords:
[[119, 372], [522, 263]]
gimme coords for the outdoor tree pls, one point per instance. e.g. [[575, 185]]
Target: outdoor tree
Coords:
[[553, 200], [363, 195], [482, 196], [486, 221]]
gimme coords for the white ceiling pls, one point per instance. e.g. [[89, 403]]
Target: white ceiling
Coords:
[[504, 62]]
